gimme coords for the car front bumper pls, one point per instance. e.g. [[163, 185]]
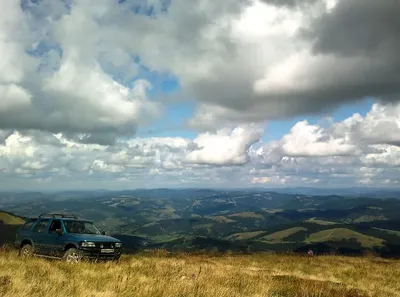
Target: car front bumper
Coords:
[[95, 254]]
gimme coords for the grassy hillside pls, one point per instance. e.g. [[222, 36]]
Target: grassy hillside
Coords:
[[280, 236], [247, 215], [397, 233], [339, 234], [9, 225], [320, 222], [156, 275], [10, 219], [245, 235]]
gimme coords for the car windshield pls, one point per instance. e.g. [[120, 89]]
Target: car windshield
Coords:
[[81, 227]]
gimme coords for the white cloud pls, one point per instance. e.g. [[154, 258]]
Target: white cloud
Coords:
[[242, 61], [227, 157], [76, 83], [260, 180], [259, 60], [226, 147], [352, 151], [312, 140], [381, 125], [68, 92], [384, 155]]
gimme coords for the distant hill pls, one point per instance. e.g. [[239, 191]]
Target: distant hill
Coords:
[[348, 192], [340, 234], [280, 236]]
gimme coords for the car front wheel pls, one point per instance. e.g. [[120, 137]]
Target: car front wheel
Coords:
[[26, 251], [72, 256], [116, 261]]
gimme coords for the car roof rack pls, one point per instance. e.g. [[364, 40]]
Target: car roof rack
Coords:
[[62, 215]]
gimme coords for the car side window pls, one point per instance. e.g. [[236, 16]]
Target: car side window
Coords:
[[27, 225], [55, 225], [41, 227]]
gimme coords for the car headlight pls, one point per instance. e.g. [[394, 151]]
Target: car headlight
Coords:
[[88, 244], [118, 245]]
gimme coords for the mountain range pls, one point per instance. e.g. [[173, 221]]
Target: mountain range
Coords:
[[224, 220]]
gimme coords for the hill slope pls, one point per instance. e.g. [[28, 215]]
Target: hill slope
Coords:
[[281, 235], [7, 218], [160, 274], [338, 234], [9, 225]]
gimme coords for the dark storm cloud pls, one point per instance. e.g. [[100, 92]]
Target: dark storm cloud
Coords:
[[366, 33], [346, 53], [359, 27]]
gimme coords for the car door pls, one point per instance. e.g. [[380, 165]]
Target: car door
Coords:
[[39, 236], [55, 239]]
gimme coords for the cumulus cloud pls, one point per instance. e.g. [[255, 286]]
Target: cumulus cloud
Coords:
[[69, 66], [225, 147], [54, 157], [371, 29], [279, 61], [381, 125], [307, 155], [312, 140], [77, 80], [70, 92], [260, 180], [359, 148]]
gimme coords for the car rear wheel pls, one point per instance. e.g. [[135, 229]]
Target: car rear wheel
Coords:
[[26, 251], [72, 256]]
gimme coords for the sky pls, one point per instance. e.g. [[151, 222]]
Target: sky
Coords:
[[108, 94]]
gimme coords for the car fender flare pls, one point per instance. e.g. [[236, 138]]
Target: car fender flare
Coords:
[[26, 241], [69, 245]]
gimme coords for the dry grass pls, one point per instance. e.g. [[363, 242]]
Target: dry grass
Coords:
[[154, 275]]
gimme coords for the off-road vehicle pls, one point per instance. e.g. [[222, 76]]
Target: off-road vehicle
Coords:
[[66, 237]]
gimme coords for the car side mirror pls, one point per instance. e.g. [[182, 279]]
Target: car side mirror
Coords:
[[59, 231], [103, 233]]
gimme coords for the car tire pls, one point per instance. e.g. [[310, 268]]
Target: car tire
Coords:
[[26, 251], [72, 255], [116, 261]]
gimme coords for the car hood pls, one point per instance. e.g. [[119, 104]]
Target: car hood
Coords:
[[95, 238]]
